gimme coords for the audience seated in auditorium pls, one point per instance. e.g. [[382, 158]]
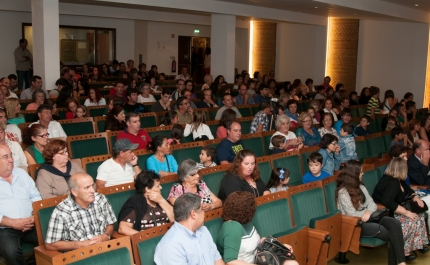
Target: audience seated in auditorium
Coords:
[[161, 161], [82, 219], [391, 191], [228, 104], [18, 192], [184, 75], [71, 106], [134, 132], [120, 91], [283, 125], [418, 163], [411, 110], [57, 168], [188, 94], [347, 143], [330, 150], [164, 103], [243, 175], [413, 133], [320, 92], [121, 168], [37, 98], [327, 107], [389, 101], [145, 96], [13, 133], [182, 248], [230, 146], [95, 98], [326, 83], [198, 127], [36, 139], [399, 138], [260, 123], [309, 134], [291, 111], [243, 97], [36, 83], [207, 101], [115, 120], [207, 157], [227, 117], [180, 85], [264, 95], [315, 163], [132, 105], [425, 127], [185, 112], [13, 110], [353, 199], [362, 128], [353, 99], [15, 147], [345, 118], [147, 208], [190, 183], [364, 96]]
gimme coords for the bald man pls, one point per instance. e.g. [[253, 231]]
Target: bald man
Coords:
[[84, 218], [418, 164]]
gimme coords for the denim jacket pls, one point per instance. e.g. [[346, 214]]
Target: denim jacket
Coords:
[[347, 148], [331, 161]]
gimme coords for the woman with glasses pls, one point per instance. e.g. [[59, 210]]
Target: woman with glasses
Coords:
[[330, 151], [327, 125], [36, 137], [191, 183], [146, 209], [309, 135], [55, 172], [207, 101], [17, 153]]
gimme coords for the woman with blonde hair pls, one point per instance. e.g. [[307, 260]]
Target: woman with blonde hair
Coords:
[[13, 109], [309, 134], [391, 191]]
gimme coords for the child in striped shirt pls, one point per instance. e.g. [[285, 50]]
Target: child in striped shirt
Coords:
[[207, 157]]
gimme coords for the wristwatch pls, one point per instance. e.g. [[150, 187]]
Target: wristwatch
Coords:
[[108, 236]]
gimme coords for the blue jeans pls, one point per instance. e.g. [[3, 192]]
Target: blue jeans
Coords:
[[23, 76], [10, 245]]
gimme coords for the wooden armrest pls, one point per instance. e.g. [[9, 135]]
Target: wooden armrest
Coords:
[[44, 256], [318, 234], [351, 230], [117, 235], [380, 206], [419, 187], [352, 220]]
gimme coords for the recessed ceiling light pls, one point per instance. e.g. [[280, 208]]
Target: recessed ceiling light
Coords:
[[416, 4], [316, 7]]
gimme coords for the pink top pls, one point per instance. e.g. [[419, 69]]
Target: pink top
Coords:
[[221, 132], [32, 106]]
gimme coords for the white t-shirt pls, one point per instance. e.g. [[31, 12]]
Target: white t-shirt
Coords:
[[90, 103], [13, 133], [54, 129], [202, 130], [114, 174], [141, 99], [19, 159], [289, 136]]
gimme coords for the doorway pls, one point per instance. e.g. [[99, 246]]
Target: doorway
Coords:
[[194, 61]]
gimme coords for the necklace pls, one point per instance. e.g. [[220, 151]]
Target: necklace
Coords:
[[253, 187]]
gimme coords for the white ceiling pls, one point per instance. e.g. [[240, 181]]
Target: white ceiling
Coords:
[[423, 5]]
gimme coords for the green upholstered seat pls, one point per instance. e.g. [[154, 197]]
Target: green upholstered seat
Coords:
[[148, 121], [272, 217], [187, 153], [166, 188], [89, 147], [77, 128], [165, 133], [292, 163], [387, 142], [380, 171], [373, 146], [44, 217], [147, 250], [187, 139], [101, 124], [362, 111], [304, 157], [213, 128], [117, 200], [246, 126], [61, 112], [212, 114], [360, 149], [213, 180], [246, 112], [266, 143], [265, 171], [141, 160], [97, 112], [371, 242], [91, 168], [31, 116], [377, 121], [370, 179], [214, 226], [255, 109], [255, 144], [330, 192], [113, 257]]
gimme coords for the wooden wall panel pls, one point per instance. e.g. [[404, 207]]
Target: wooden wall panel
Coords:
[[264, 47], [342, 52]]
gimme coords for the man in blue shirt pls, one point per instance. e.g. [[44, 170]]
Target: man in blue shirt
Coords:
[[264, 95], [227, 149], [188, 241], [18, 192], [243, 97]]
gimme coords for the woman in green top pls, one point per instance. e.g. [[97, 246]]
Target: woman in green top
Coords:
[[13, 109], [238, 238], [36, 137]]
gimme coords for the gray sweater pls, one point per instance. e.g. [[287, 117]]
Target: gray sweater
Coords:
[[344, 203]]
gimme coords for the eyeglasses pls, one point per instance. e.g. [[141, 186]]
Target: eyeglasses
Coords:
[[63, 152], [185, 103], [46, 135], [306, 120], [334, 143], [7, 157]]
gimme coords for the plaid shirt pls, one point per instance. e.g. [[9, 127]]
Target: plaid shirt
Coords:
[[260, 118], [70, 222]]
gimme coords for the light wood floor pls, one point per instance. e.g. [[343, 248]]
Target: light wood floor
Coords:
[[378, 256]]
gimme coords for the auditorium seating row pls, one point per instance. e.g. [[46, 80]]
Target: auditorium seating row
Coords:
[[305, 216]]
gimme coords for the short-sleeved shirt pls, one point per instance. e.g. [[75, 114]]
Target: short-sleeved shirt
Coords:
[[202, 190], [226, 150], [142, 138], [238, 241], [70, 222], [289, 136], [114, 174], [221, 110], [309, 139], [185, 118], [373, 103], [169, 164], [136, 108], [360, 131], [154, 216], [54, 129], [308, 177], [240, 100], [260, 118]]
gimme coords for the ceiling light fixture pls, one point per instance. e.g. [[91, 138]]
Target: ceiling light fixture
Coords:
[[416, 4], [316, 7]]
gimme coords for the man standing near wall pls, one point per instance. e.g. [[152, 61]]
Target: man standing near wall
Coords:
[[23, 60]]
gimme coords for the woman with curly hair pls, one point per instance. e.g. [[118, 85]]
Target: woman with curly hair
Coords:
[[243, 175], [353, 199], [238, 238]]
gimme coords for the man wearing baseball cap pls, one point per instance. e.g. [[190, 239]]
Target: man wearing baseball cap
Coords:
[[121, 168]]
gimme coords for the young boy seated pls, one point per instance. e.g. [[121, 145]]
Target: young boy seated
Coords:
[[320, 92], [399, 138], [347, 143], [345, 116], [315, 163], [207, 157], [391, 123], [278, 142], [361, 129]]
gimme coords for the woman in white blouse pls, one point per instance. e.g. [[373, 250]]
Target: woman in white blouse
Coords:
[[145, 96]]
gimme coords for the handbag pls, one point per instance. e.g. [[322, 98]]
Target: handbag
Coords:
[[272, 252], [412, 206], [377, 215]]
